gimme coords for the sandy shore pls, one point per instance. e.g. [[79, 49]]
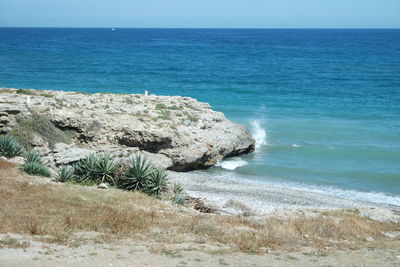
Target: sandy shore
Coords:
[[234, 196]]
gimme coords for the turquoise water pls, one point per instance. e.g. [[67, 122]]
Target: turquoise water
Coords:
[[324, 105]]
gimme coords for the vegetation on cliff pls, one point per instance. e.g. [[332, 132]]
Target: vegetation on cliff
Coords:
[[178, 133], [140, 174], [9, 147]]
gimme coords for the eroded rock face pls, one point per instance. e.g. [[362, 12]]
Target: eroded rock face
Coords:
[[180, 133], [144, 140], [67, 154]]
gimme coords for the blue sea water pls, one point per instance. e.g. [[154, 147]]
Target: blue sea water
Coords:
[[324, 105]]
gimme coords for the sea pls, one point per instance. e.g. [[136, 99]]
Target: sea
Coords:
[[322, 104]]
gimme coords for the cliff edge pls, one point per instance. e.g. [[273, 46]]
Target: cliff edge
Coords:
[[179, 133]]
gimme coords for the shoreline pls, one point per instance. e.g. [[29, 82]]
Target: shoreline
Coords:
[[179, 133], [233, 196]]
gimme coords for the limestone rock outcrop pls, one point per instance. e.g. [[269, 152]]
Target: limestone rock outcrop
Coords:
[[179, 133]]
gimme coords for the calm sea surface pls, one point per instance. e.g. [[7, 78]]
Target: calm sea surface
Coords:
[[323, 105]]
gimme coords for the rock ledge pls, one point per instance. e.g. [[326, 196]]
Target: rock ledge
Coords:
[[180, 133]]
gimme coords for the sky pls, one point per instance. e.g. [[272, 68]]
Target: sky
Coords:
[[201, 13]]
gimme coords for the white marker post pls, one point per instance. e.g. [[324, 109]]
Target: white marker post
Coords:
[[28, 100]]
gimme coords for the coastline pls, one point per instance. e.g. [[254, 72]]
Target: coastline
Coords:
[[175, 140], [249, 218], [233, 196], [199, 147]]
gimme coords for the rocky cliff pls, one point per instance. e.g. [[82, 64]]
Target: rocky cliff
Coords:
[[179, 133]]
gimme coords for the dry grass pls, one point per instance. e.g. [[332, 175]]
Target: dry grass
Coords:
[[5, 165], [30, 205], [56, 209], [10, 242]]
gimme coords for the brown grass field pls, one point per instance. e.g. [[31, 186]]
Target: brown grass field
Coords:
[[53, 212]]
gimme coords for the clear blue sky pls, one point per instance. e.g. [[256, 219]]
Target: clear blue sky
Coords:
[[202, 13]]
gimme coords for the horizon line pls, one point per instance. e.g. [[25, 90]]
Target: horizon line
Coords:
[[210, 28]]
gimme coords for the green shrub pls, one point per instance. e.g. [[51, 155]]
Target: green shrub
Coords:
[[35, 168], [9, 147], [106, 170], [47, 95], [192, 118], [157, 182], [128, 101], [65, 173], [33, 156], [25, 92], [165, 115], [85, 169], [39, 125], [177, 188], [23, 137], [34, 164], [161, 106], [140, 175], [143, 176], [96, 169], [174, 107], [179, 199], [137, 176]]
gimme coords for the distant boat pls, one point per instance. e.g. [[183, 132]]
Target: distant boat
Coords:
[[113, 29]]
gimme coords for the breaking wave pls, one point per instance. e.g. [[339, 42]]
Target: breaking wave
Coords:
[[232, 164], [258, 132]]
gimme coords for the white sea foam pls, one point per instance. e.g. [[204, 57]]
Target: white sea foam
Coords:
[[258, 133], [374, 197], [295, 145], [232, 164]]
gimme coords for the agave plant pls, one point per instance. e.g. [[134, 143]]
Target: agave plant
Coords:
[[35, 168], [85, 169], [34, 156], [106, 169], [9, 147], [66, 173], [137, 176], [177, 188], [157, 182], [179, 199]]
